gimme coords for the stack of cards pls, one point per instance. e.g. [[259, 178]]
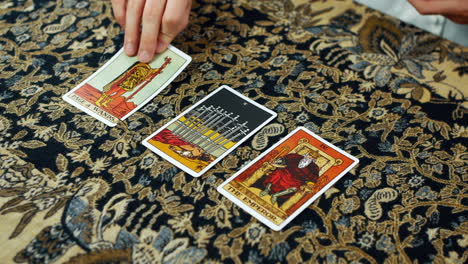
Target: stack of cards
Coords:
[[274, 188]]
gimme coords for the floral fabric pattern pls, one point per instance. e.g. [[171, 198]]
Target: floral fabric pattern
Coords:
[[73, 190]]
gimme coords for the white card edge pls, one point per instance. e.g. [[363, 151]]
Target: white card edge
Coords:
[[87, 111]]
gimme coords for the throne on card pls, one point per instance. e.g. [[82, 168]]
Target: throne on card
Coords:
[[324, 162]]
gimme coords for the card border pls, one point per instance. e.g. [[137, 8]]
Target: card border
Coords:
[[107, 122], [185, 168], [263, 219]]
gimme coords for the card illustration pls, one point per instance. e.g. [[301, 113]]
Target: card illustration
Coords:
[[209, 130], [287, 178], [124, 85]]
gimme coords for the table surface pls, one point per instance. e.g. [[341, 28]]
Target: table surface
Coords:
[[388, 93]]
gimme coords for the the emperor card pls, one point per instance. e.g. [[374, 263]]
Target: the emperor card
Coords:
[[288, 177], [202, 135]]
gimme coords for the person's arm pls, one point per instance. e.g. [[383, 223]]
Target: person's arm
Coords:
[[455, 10], [150, 25]]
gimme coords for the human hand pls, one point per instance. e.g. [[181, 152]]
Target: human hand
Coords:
[[150, 25], [455, 10]]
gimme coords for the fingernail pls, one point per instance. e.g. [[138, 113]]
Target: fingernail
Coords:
[[160, 47], [130, 48], [144, 56]]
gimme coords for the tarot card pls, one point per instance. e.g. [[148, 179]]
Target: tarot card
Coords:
[[123, 85], [288, 177], [209, 130]]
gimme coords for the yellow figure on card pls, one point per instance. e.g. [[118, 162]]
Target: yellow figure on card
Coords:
[[139, 74]]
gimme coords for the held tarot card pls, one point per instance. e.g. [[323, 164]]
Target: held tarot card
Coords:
[[123, 85], [209, 130], [287, 178]]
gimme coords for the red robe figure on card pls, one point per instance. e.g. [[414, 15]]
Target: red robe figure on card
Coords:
[[299, 170], [139, 74], [181, 147]]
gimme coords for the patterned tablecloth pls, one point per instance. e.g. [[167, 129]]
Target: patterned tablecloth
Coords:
[[386, 92]]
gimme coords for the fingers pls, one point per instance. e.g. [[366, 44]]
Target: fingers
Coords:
[[119, 9], [151, 24], [431, 7], [132, 26], [175, 19]]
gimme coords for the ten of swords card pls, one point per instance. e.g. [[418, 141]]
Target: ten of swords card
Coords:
[[123, 85], [209, 130], [287, 178]]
